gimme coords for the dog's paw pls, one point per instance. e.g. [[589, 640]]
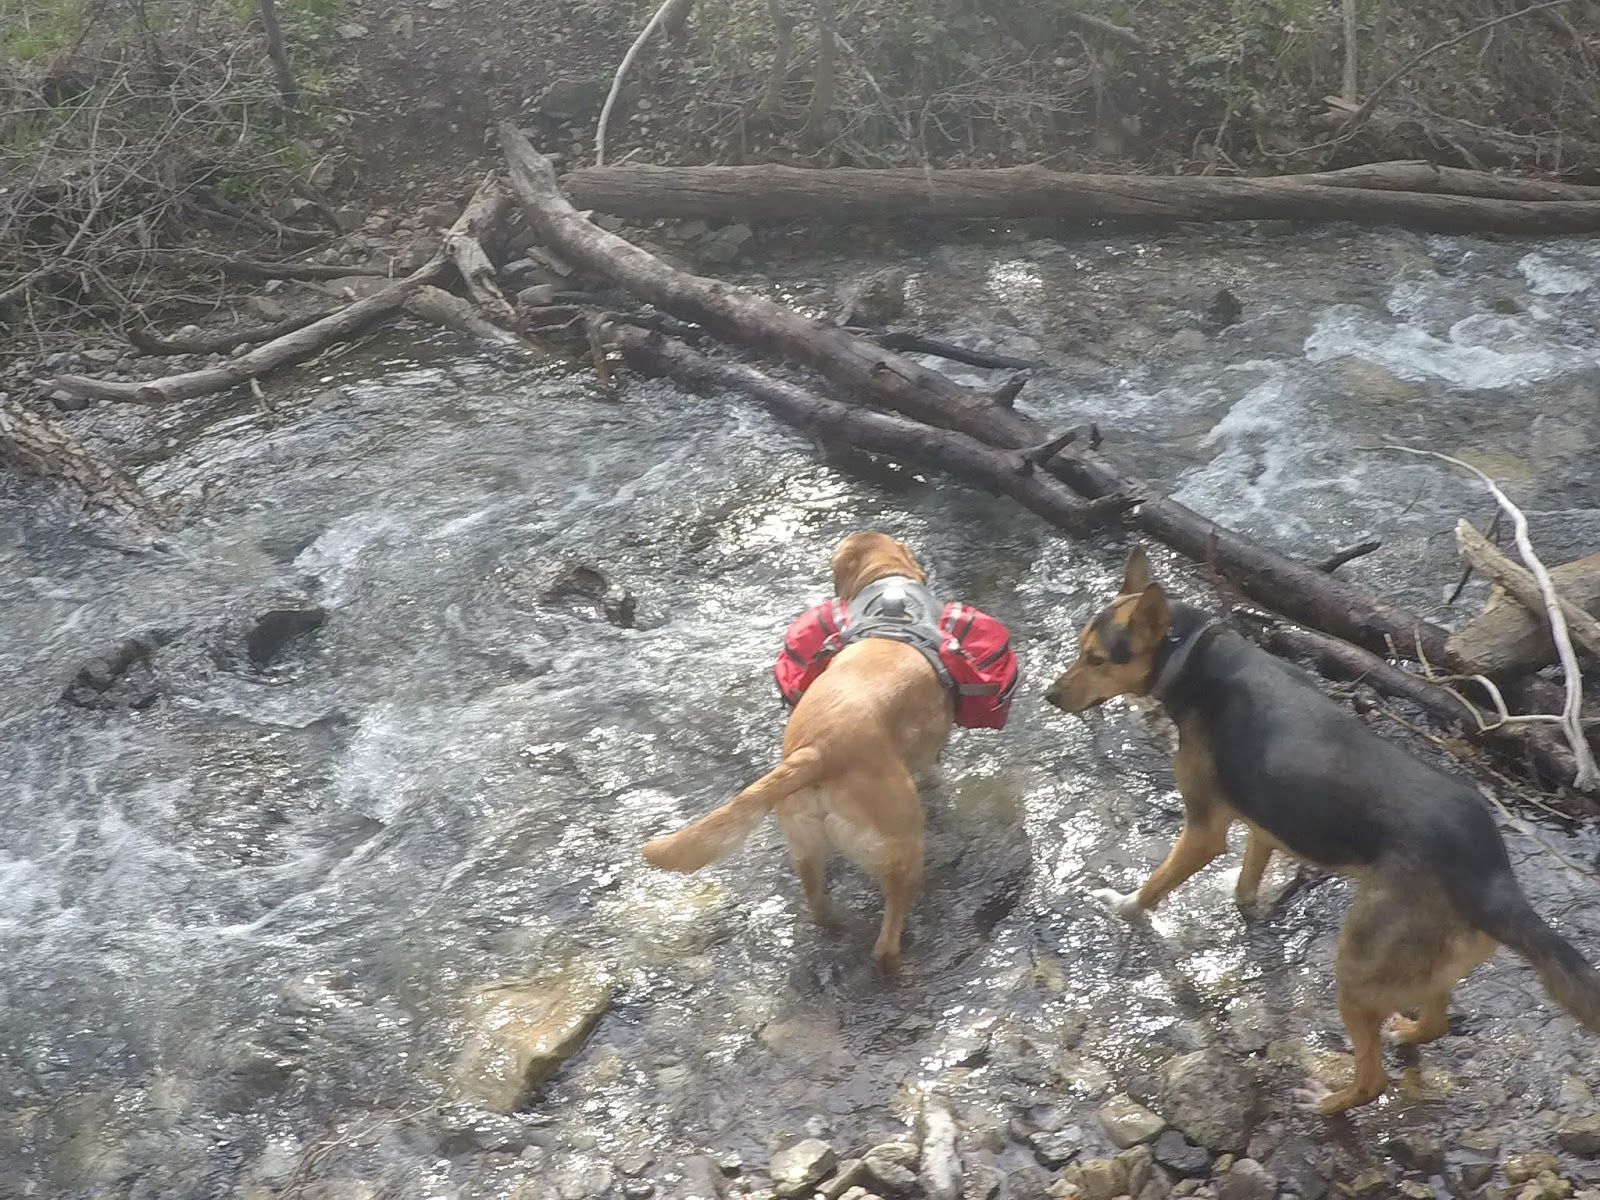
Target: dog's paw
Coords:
[[1249, 905], [1124, 905], [1310, 1097]]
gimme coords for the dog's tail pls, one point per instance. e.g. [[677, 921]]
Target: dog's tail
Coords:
[[1503, 912], [723, 830]]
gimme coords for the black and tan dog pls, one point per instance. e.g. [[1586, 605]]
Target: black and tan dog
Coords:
[[1435, 895]]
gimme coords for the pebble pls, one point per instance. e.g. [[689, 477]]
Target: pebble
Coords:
[[983, 1183], [851, 1173], [1177, 1153], [1413, 1189], [1371, 1182], [1474, 1175], [1479, 1141], [892, 1176], [1128, 1123]]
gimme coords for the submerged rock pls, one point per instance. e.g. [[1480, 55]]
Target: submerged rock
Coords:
[[1580, 1135], [1181, 1156], [519, 1033], [875, 300], [275, 621], [941, 1161], [1247, 1180], [583, 581], [120, 678], [1521, 1168]]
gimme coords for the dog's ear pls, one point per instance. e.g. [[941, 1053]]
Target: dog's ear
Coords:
[[1150, 619], [1136, 575]]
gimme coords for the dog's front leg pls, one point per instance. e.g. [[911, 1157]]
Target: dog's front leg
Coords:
[[1257, 853], [1203, 837]]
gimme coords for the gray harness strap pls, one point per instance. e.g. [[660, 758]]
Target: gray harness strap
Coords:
[[902, 610], [1182, 651]]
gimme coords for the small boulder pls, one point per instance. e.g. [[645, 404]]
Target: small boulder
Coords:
[[983, 1183], [1181, 1156], [1056, 1147], [1210, 1098], [1580, 1136], [519, 1033], [1416, 1151], [1247, 1180], [1473, 1176], [798, 1168], [1521, 1168], [941, 1161], [1129, 1123], [876, 300], [1099, 1178], [276, 620]]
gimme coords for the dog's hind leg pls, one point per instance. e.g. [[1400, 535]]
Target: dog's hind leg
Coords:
[[900, 882], [1257, 853], [808, 851], [1464, 953]]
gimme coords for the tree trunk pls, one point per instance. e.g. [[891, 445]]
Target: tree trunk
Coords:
[[845, 194], [40, 446], [782, 49], [488, 208], [821, 107], [1349, 89]]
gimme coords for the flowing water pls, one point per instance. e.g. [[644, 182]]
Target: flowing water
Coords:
[[238, 925]]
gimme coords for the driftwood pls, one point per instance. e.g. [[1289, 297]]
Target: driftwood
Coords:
[[444, 308], [1506, 637], [463, 244], [251, 268], [1004, 472], [1520, 584], [906, 342], [40, 446], [292, 348], [223, 342], [1337, 659], [869, 373], [780, 193], [1475, 145]]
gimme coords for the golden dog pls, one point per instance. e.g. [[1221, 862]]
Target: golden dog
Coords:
[[875, 717]]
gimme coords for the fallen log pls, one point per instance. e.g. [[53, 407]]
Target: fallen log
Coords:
[[1506, 638], [40, 446], [463, 243], [1419, 175], [999, 471], [844, 194], [444, 308], [223, 342], [874, 375], [1520, 743], [1432, 135], [252, 268], [1520, 584], [284, 351]]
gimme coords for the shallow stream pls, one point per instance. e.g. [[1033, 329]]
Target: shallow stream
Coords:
[[237, 925]]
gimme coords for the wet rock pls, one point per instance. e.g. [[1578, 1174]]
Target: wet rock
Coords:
[[1028, 1183], [1479, 1141], [120, 678], [896, 1175], [1520, 1168], [275, 621], [1371, 1184], [983, 1183], [1098, 1178], [851, 1174], [519, 1033], [639, 1189], [701, 1180], [1580, 1135], [1247, 1180], [1413, 1189], [876, 300], [1210, 1098], [1223, 309], [582, 1181], [68, 401], [1181, 1156], [1129, 1123], [266, 308], [581, 581], [1545, 1186], [1140, 1164], [730, 1163], [1055, 1147], [1473, 1176], [941, 1161], [1417, 1152], [1300, 1165], [797, 1168]]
